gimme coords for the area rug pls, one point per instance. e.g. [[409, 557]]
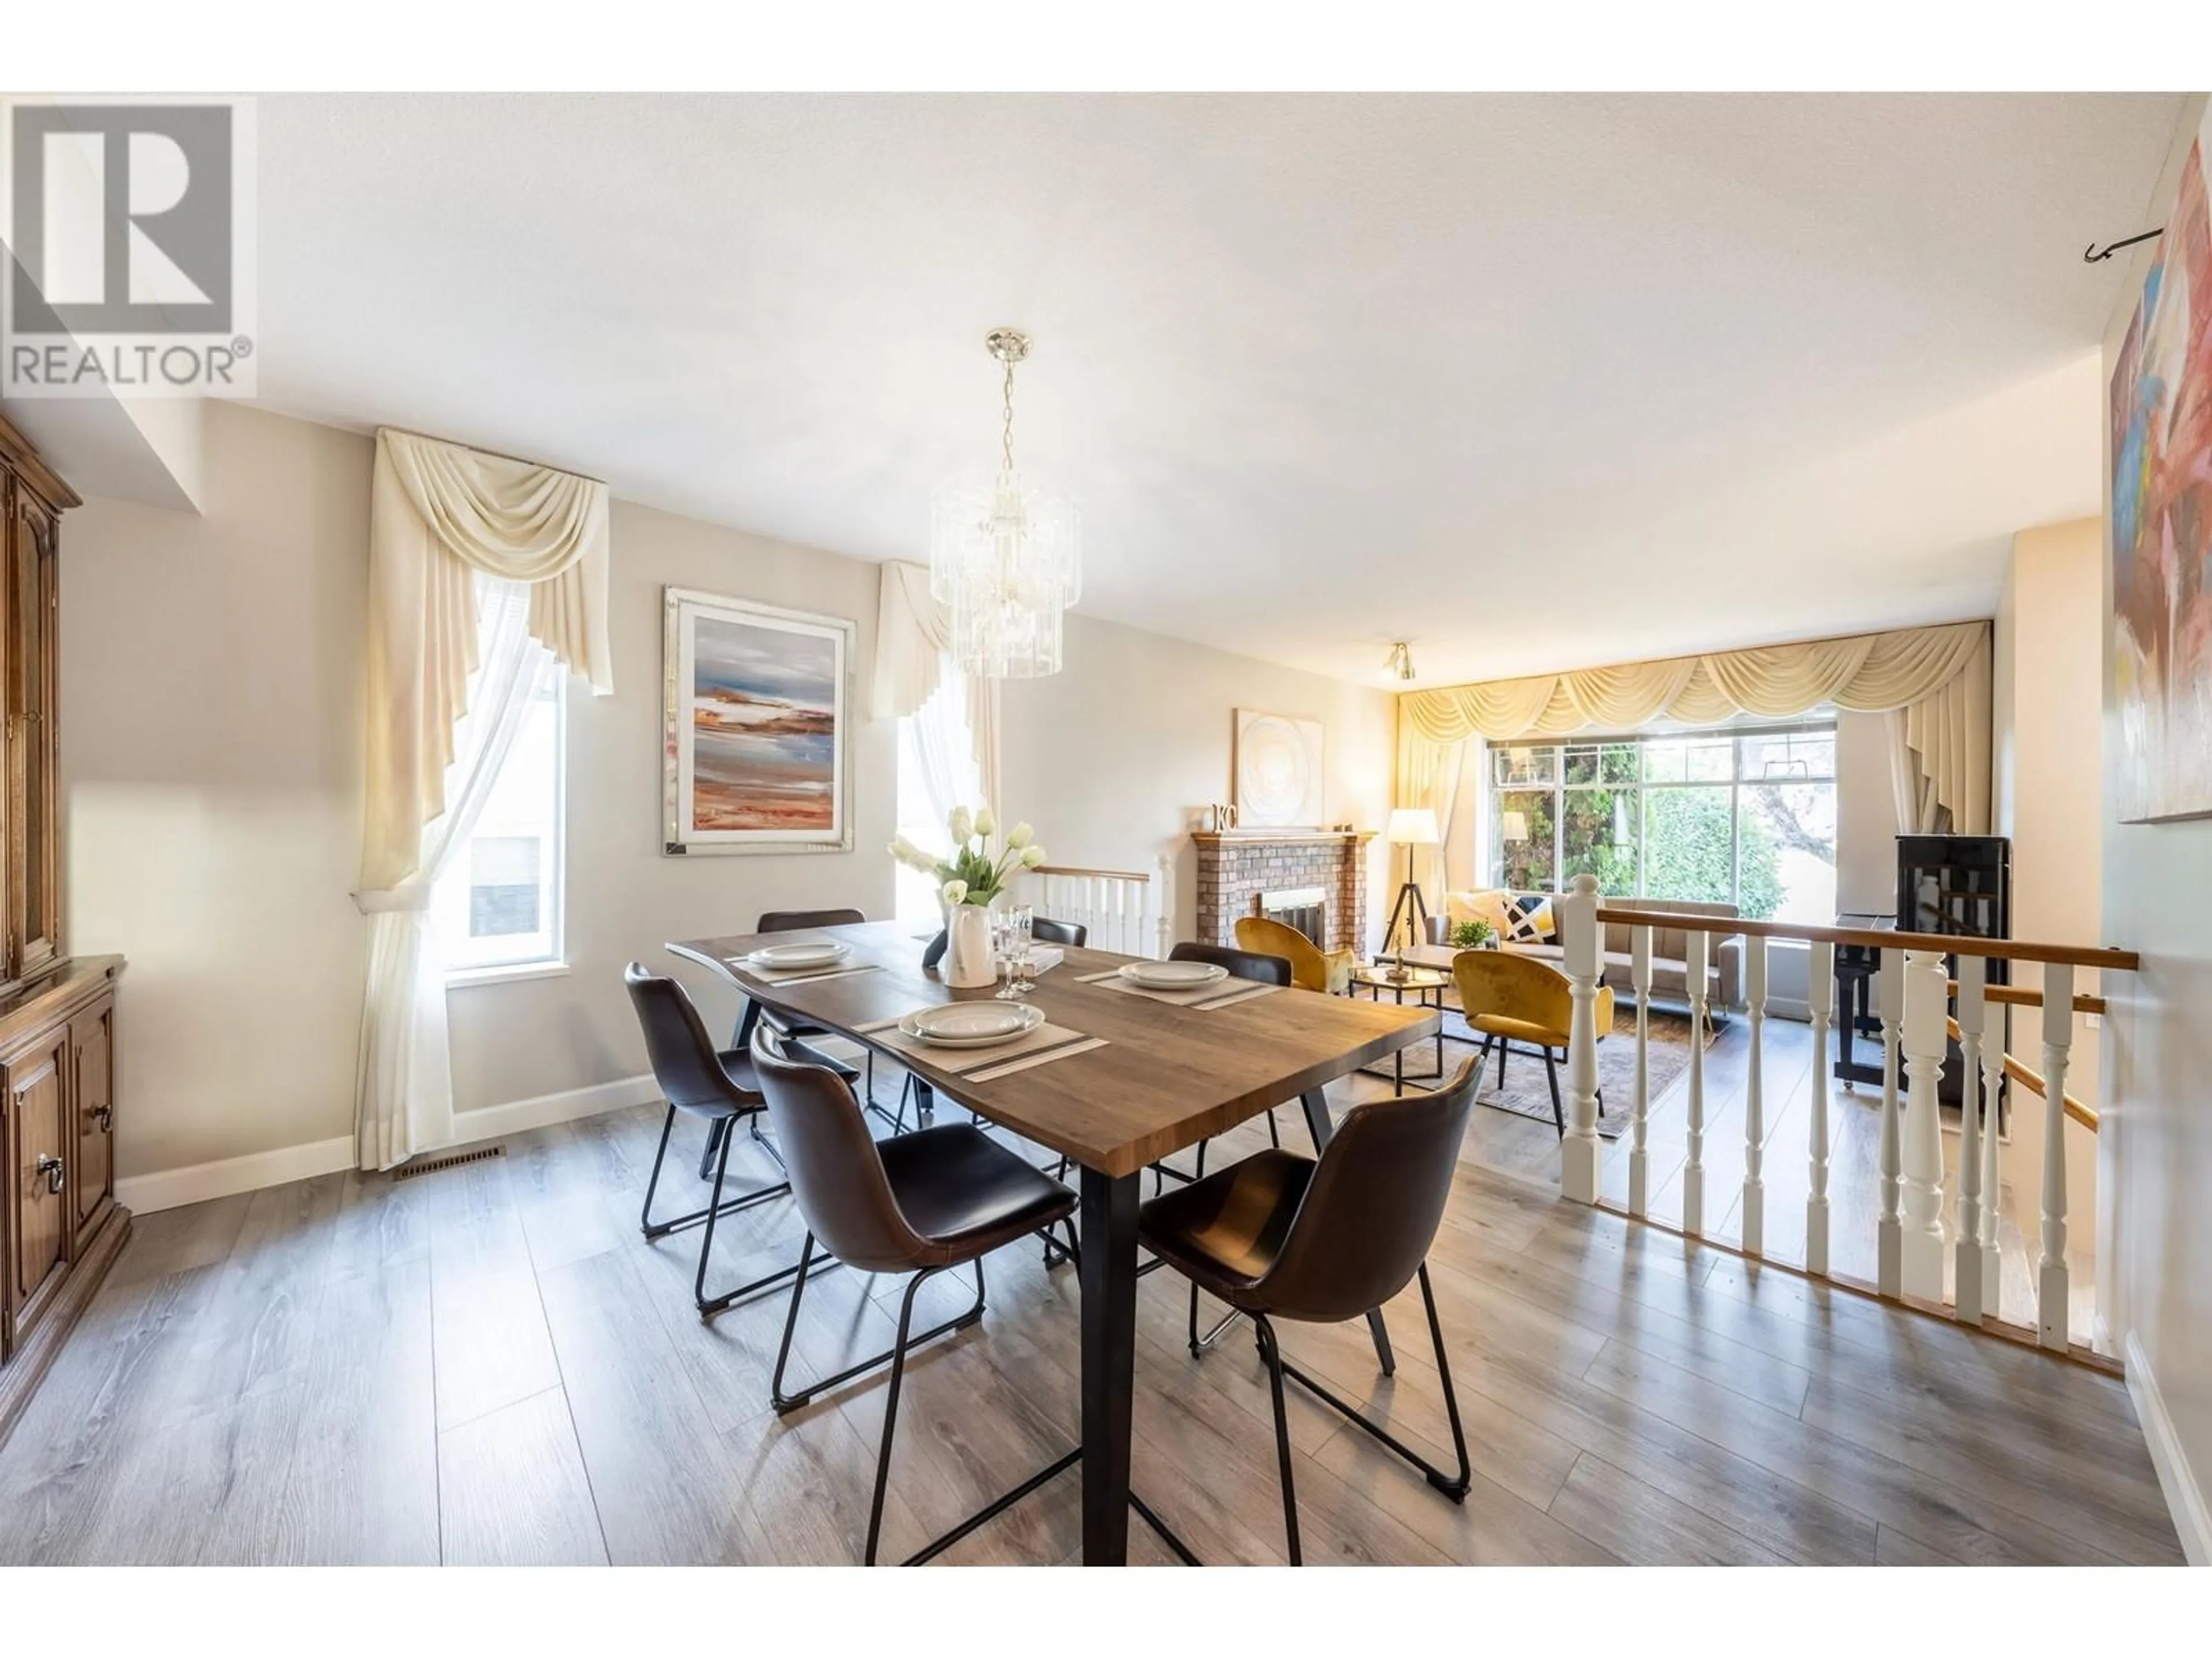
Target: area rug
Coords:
[[1526, 1093]]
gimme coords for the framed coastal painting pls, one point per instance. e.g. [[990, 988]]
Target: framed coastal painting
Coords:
[[2161, 524], [755, 732], [1279, 781]]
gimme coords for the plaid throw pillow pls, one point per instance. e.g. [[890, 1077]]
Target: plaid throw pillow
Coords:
[[1528, 919]]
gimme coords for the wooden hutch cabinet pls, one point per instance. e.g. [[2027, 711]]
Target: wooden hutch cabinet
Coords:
[[60, 1227]]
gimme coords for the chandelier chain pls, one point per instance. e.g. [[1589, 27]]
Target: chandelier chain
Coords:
[[1007, 426]]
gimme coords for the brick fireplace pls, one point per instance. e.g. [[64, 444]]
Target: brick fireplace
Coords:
[[1235, 868]]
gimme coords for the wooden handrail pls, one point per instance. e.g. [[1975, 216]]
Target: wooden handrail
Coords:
[[2005, 950], [1101, 875], [2028, 1078], [2027, 996]]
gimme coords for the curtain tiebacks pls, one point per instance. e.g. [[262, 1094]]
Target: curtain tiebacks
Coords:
[[414, 895]]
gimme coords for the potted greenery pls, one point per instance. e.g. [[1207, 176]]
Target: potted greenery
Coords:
[[1476, 935]]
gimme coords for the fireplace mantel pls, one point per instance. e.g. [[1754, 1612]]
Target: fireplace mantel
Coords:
[[1276, 837], [1235, 866]]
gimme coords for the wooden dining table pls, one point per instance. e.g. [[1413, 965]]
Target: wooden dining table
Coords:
[[1165, 1078]]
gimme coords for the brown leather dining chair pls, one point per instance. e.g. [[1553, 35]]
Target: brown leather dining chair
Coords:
[[922, 1203], [700, 1081], [1280, 1236]]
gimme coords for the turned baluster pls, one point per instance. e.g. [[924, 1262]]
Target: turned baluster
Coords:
[[1579, 934], [1925, 1043], [1696, 947], [2050, 1280], [1640, 1127], [1966, 1255], [1993, 1053], [1889, 996], [1754, 1105], [1820, 1001]]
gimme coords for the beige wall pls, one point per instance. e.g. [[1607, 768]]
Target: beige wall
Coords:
[[1866, 816], [210, 704], [2046, 696], [1113, 758], [212, 670], [2157, 1138]]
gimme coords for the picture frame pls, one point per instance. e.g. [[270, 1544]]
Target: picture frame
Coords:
[[1278, 765], [755, 738]]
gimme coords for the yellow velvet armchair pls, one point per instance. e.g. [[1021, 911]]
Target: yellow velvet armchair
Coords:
[[1312, 968], [1510, 999]]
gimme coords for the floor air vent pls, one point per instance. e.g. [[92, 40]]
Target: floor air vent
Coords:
[[431, 1166]]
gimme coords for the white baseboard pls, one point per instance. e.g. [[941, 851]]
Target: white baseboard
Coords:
[[2184, 1497], [490, 1122], [167, 1189]]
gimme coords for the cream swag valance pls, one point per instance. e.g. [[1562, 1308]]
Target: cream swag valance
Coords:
[[438, 513], [1934, 682]]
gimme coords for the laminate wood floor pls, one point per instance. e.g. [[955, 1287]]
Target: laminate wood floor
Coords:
[[488, 1364]]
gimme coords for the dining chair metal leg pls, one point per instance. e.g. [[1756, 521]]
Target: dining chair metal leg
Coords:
[[791, 1402], [1273, 1355], [891, 1406], [652, 1228], [1502, 1047], [1274, 1135], [1551, 1076], [1454, 1487], [716, 1129]]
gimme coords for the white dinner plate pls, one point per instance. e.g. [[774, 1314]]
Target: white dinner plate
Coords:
[[972, 1024], [1173, 975], [820, 954]]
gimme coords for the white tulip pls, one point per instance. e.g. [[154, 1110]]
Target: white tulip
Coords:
[[1021, 835], [955, 892], [1032, 857], [962, 827], [985, 823]]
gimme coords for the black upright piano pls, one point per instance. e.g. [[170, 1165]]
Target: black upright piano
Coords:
[[1958, 884]]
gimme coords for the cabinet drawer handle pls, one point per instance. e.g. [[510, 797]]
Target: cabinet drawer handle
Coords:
[[51, 1167], [104, 1116]]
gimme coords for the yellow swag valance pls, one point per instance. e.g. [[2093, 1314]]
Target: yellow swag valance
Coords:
[[1935, 680]]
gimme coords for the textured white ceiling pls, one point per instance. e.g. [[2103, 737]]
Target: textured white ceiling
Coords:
[[1533, 381]]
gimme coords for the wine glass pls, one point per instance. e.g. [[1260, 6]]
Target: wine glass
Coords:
[[1020, 926], [1002, 952]]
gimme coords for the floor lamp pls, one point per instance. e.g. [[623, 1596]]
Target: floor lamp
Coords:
[[1410, 827]]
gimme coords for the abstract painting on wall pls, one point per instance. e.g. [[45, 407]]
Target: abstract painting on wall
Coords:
[[2161, 524], [755, 728]]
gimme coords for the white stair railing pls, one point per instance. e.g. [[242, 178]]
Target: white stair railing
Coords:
[[1912, 1000], [1131, 912]]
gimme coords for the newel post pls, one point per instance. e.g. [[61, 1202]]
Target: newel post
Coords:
[[1577, 910]]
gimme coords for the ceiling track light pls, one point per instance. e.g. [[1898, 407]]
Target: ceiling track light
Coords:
[[1399, 664]]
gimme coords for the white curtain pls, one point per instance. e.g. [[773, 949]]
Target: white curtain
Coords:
[[914, 638], [1428, 775], [1936, 679], [440, 518], [404, 1067]]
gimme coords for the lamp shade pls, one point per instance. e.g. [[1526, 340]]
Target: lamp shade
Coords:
[[1513, 826], [1412, 826]]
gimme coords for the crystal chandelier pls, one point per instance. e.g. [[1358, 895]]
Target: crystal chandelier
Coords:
[[1005, 558]]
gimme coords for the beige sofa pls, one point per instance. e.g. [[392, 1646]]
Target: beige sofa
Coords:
[[1669, 953]]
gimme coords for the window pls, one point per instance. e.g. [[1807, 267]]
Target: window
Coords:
[[1745, 816], [936, 773], [498, 900]]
